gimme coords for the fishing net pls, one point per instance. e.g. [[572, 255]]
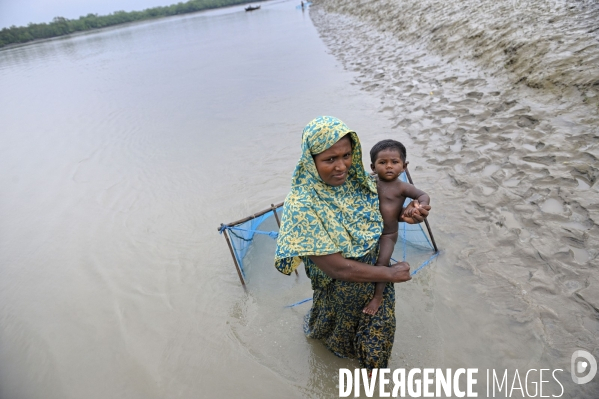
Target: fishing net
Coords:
[[253, 242], [254, 234]]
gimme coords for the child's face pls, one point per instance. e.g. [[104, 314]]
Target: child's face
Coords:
[[388, 165]]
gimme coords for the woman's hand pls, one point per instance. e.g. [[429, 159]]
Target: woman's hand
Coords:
[[401, 272], [414, 213]]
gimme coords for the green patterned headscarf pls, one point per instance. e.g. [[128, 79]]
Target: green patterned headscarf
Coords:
[[319, 219]]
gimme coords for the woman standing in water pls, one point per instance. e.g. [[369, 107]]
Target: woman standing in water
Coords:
[[331, 222]]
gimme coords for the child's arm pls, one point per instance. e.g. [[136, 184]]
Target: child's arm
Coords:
[[409, 191]]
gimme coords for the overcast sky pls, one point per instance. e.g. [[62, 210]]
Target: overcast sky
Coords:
[[21, 12]]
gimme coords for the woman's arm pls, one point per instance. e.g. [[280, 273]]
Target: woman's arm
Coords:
[[337, 267]]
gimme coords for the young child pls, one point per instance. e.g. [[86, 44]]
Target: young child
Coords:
[[388, 159]]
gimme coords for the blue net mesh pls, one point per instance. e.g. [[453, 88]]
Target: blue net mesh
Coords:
[[243, 235]]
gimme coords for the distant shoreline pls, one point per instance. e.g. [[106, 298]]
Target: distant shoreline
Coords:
[[18, 35]]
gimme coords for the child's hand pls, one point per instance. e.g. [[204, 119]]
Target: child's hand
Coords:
[[412, 208], [411, 211], [414, 213], [414, 218]]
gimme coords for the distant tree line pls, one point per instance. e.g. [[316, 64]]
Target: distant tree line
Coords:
[[62, 26]]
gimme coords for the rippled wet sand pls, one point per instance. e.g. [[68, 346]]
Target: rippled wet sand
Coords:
[[547, 44], [499, 105]]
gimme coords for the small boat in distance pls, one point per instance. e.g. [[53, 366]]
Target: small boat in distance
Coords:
[[250, 8]]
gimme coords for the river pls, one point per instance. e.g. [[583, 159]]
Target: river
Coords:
[[123, 150]]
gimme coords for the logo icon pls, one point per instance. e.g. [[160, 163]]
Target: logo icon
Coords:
[[579, 366]]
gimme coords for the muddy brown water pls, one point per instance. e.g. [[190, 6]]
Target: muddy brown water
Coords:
[[123, 150]]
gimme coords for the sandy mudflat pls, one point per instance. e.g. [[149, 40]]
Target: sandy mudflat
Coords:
[[498, 101]]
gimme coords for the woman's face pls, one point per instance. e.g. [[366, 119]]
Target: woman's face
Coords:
[[334, 163]]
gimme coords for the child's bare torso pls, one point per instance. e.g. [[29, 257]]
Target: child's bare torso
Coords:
[[391, 200]]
